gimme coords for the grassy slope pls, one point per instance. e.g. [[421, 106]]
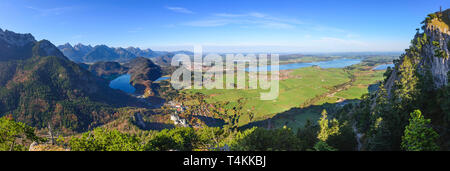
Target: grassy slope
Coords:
[[302, 84], [363, 78], [297, 118]]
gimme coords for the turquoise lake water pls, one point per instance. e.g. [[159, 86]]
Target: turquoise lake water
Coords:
[[384, 66], [338, 63], [123, 83], [162, 78]]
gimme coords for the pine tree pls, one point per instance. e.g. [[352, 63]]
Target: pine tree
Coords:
[[325, 129], [419, 136], [14, 135], [323, 146]]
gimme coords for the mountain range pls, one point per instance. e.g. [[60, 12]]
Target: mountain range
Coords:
[[40, 86], [90, 54]]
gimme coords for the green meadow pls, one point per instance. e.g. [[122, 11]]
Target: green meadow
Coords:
[[297, 87]]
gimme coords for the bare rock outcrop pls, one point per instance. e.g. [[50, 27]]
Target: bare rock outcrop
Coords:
[[438, 41]]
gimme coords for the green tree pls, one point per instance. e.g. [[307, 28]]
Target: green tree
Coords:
[[323, 146], [419, 136], [308, 134], [282, 139], [345, 140], [180, 138], [14, 135], [325, 129], [101, 139]]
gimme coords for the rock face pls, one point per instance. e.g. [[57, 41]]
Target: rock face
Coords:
[[439, 66], [46, 147], [438, 41], [16, 39], [13, 45]]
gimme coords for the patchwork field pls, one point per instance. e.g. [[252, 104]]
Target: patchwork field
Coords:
[[298, 88]]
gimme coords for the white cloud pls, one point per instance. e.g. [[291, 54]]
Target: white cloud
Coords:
[[333, 44], [327, 29], [257, 15], [351, 35], [180, 10], [50, 11], [135, 30], [246, 20], [209, 23], [319, 45], [228, 15], [341, 42]]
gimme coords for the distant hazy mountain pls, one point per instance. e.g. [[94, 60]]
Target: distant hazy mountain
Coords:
[[105, 53], [39, 85], [89, 54], [75, 53], [147, 53], [163, 60]]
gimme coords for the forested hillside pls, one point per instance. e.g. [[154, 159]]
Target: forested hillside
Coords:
[[409, 109], [41, 87]]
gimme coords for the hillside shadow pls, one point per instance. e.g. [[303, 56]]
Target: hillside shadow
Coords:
[[211, 122], [139, 121], [157, 126], [290, 115]]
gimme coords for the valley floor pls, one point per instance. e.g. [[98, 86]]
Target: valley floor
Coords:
[[302, 93]]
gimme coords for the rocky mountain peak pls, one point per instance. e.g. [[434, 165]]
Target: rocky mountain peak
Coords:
[[67, 45], [16, 39], [46, 48], [429, 52], [81, 46], [436, 52], [15, 46]]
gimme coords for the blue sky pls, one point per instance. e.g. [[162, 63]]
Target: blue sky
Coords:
[[223, 25]]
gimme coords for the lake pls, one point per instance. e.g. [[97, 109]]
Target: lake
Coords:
[[123, 83], [383, 67], [338, 63], [162, 78]]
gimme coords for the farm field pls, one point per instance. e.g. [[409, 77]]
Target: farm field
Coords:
[[298, 88], [297, 117]]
